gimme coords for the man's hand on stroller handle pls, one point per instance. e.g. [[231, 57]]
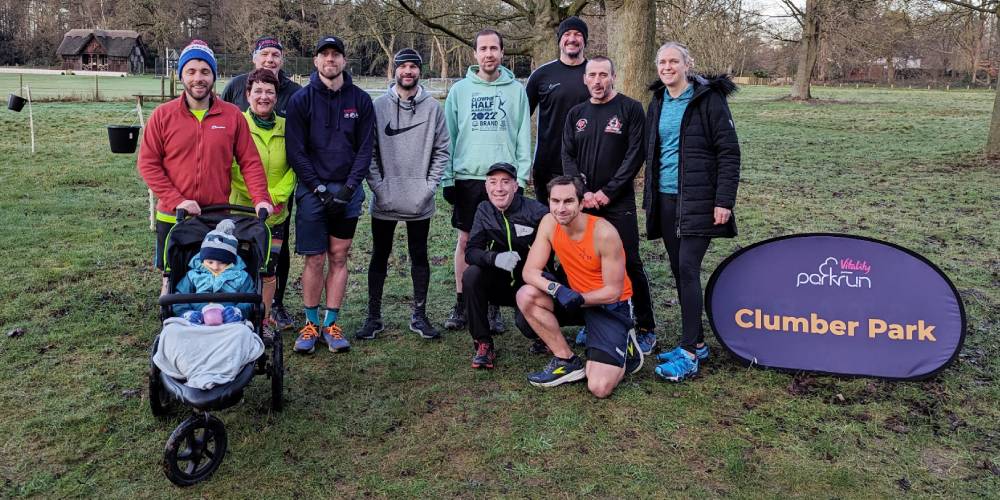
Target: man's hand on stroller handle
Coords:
[[191, 207]]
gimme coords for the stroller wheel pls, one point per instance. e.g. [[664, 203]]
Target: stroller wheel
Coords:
[[195, 450], [277, 373]]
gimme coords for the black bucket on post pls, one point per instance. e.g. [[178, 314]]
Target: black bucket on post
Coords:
[[123, 138], [15, 102]]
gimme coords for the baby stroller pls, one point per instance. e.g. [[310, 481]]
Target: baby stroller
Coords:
[[197, 446]]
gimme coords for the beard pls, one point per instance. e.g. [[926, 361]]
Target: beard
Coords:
[[198, 94], [404, 86], [330, 72]]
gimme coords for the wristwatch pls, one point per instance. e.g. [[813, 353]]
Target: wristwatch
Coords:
[[551, 289], [320, 189]]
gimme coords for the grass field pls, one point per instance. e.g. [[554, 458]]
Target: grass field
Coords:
[[108, 88], [401, 417]]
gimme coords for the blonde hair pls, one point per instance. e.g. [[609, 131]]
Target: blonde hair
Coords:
[[685, 53]]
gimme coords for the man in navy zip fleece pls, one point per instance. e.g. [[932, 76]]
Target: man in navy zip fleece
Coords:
[[329, 143]]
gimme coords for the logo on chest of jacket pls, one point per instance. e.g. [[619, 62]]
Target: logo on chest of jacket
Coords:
[[581, 124], [350, 113], [217, 127], [614, 126]]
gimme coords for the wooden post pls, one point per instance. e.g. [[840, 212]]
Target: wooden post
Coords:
[[97, 89], [20, 83], [152, 199], [31, 120]]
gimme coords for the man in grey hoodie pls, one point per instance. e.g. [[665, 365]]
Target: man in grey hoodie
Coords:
[[410, 155]]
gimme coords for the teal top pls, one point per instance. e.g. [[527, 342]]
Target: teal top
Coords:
[[670, 137]]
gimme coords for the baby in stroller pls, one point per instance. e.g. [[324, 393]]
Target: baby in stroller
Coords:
[[213, 342], [209, 343]]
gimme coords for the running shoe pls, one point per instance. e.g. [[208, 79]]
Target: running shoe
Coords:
[[700, 352], [456, 318], [497, 324], [267, 330], [334, 338], [485, 356], [678, 369], [557, 372], [281, 316], [308, 335], [633, 354], [371, 328], [422, 326], [647, 340], [581, 336]]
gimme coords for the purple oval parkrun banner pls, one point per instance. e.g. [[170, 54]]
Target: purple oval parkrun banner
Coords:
[[836, 304]]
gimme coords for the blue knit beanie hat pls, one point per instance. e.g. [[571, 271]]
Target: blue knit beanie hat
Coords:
[[198, 49], [220, 244]]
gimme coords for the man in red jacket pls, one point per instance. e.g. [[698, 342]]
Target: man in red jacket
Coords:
[[189, 144]]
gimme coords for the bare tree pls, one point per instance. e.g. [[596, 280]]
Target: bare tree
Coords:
[[992, 8]]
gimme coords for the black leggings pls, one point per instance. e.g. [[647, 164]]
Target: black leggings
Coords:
[[686, 254], [420, 269], [284, 259]]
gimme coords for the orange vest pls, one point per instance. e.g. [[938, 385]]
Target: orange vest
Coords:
[[580, 260]]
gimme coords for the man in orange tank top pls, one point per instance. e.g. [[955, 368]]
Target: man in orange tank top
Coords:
[[596, 293]]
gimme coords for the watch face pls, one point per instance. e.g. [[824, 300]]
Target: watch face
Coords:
[[321, 188]]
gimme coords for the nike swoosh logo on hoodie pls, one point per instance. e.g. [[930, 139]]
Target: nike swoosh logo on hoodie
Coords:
[[389, 131]]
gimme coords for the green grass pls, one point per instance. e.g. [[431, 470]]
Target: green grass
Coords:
[[401, 417], [111, 88]]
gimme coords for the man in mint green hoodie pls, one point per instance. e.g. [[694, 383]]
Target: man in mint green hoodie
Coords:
[[488, 122]]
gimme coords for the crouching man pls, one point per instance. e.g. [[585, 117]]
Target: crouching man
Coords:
[[596, 293]]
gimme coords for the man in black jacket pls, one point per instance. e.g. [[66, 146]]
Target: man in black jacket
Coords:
[[603, 145], [502, 232], [269, 54]]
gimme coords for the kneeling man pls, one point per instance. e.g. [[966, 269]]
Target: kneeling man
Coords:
[[596, 293]]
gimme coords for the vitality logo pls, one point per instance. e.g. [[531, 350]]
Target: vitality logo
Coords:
[[838, 273]]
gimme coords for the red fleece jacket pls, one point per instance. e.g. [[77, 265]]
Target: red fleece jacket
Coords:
[[184, 159]]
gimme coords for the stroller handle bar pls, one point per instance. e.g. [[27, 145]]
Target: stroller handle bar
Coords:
[[262, 214], [194, 298]]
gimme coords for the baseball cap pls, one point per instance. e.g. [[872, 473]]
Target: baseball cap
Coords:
[[503, 167], [330, 41]]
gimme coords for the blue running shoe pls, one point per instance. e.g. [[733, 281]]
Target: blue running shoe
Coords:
[[308, 335], [700, 352], [679, 369], [647, 340], [633, 354], [581, 336], [558, 372], [334, 338]]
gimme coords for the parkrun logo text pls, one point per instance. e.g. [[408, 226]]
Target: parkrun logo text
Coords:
[[838, 273]]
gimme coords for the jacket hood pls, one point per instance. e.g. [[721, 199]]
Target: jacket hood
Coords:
[[505, 78], [316, 83], [421, 96], [722, 83]]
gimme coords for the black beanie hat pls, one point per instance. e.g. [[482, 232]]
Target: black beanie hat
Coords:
[[407, 55], [573, 23]]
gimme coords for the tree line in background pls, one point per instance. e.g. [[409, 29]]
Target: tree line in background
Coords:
[[844, 40]]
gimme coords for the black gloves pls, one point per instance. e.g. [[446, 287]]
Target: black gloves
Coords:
[[569, 298], [449, 194], [336, 203]]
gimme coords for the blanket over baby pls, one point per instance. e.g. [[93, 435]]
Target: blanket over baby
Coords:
[[206, 356]]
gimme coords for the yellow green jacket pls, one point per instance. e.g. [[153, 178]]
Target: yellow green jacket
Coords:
[[280, 176]]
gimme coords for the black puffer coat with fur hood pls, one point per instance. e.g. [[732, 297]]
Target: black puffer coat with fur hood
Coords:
[[709, 164]]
